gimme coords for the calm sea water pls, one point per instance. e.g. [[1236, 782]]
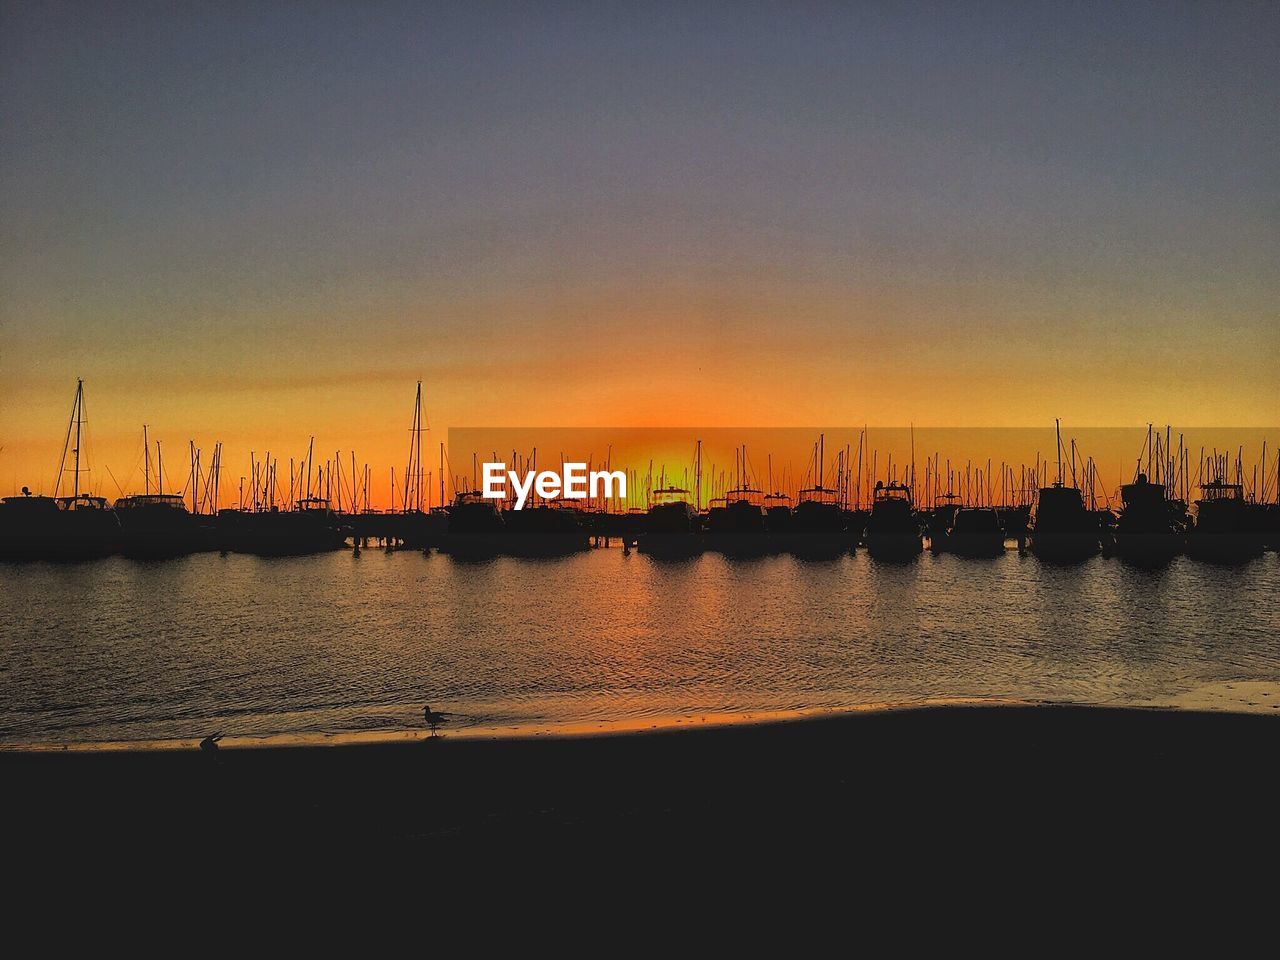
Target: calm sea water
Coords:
[[118, 650]]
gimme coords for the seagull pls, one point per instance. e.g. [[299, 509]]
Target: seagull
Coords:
[[433, 719]]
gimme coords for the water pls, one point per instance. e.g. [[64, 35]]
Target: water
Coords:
[[117, 650]]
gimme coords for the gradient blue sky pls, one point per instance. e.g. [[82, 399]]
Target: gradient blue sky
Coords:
[[259, 220]]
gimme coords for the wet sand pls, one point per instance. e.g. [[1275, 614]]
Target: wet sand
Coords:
[[1010, 784]]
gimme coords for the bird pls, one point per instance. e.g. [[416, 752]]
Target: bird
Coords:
[[433, 719]]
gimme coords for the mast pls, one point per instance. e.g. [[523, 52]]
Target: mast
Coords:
[[310, 448], [697, 473], [1057, 429], [146, 462], [79, 422], [913, 463]]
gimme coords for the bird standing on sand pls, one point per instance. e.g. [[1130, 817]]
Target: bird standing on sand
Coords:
[[433, 719]]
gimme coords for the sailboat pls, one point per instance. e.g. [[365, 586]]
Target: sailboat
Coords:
[[157, 525], [75, 526], [1063, 530], [416, 526], [818, 527]]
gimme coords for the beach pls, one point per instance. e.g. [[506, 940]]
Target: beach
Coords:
[[1012, 784]]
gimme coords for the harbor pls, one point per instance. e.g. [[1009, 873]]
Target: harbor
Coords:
[[1210, 506]]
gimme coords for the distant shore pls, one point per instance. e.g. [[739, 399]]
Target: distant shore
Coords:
[[946, 779]]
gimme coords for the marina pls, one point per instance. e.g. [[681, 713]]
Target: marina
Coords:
[[845, 505]]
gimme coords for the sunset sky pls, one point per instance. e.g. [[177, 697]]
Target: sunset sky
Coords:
[[257, 222]]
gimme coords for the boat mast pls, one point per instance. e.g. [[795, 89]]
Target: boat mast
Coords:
[[822, 454], [697, 473], [1057, 429], [146, 462], [417, 452], [310, 448]]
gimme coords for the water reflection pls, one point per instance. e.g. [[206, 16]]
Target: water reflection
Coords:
[[118, 649]]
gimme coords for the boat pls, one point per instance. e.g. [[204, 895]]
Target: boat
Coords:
[[778, 520], [672, 528], [940, 520], [736, 527], [419, 529], [818, 527], [417, 526], [1226, 528], [158, 525], [976, 532], [78, 526], [1063, 530], [477, 530], [893, 532], [312, 526], [549, 529], [1147, 532]]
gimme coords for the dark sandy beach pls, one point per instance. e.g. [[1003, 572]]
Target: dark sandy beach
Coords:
[[1016, 785]]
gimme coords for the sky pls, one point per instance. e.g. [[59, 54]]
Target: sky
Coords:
[[259, 222]]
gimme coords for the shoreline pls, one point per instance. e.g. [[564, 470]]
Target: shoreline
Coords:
[[511, 732], [1213, 698], [887, 784]]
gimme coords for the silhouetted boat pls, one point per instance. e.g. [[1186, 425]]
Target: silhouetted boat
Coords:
[[671, 527], [1063, 529], [311, 527], [64, 528], [1147, 531], [892, 530], [416, 526], [159, 525], [545, 530], [778, 521], [75, 527], [940, 520], [976, 532], [1226, 526], [738, 529], [477, 529], [818, 529]]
